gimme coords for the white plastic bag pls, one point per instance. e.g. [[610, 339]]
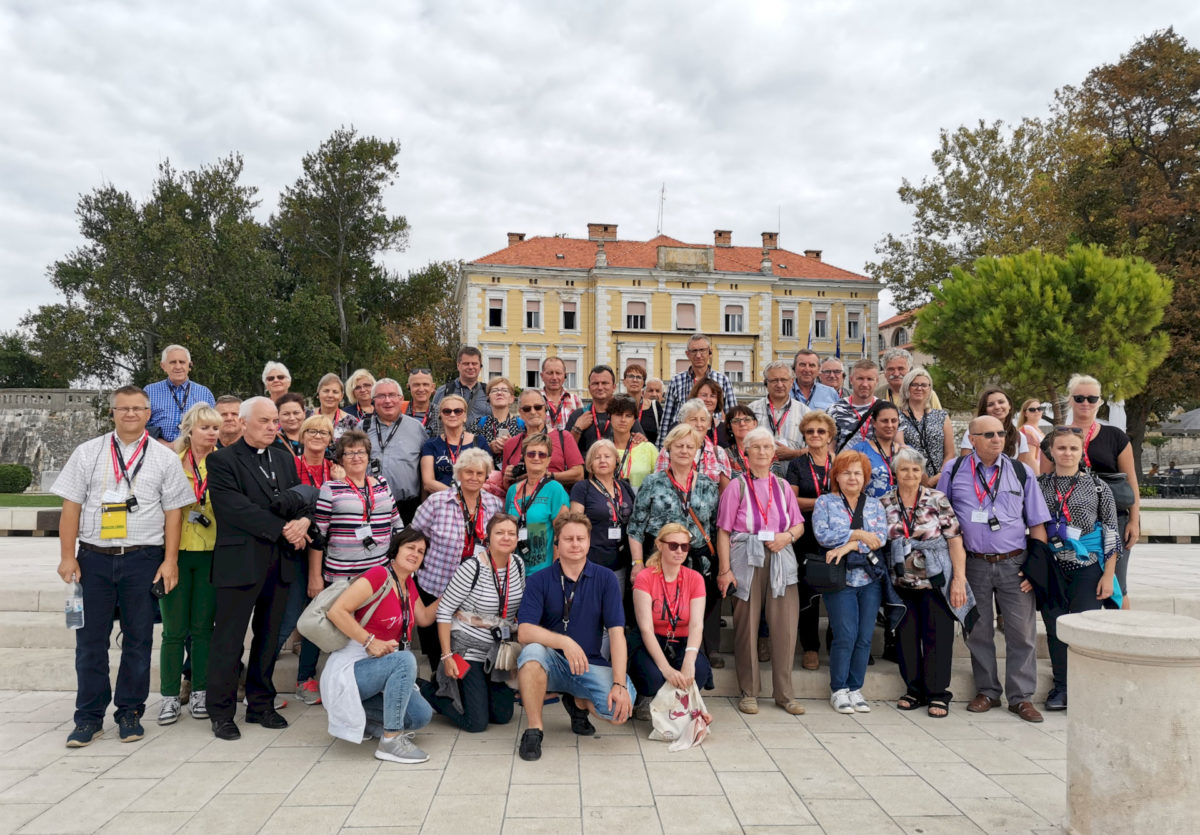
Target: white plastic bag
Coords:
[[679, 717]]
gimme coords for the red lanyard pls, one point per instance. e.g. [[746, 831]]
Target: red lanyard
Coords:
[[411, 414], [764, 515], [685, 495], [200, 488], [711, 437], [989, 487], [453, 452], [1093, 431], [473, 527], [315, 477], [817, 483], [120, 469], [408, 609], [555, 411], [866, 425], [1065, 511], [367, 497], [614, 501], [600, 433], [671, 613], [775, 424], [909, 518]]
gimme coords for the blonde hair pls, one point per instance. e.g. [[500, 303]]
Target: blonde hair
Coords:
[[1078, 380], [200, 413], [681, 429], [317, 421], [654, 561], [602, 444]]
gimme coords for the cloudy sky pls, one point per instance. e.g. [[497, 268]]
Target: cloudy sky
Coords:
[[533, 117]]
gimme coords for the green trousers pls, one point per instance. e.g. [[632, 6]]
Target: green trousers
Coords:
[[188, 610]]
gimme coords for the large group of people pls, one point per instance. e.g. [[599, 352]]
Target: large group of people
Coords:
[[531, 547]]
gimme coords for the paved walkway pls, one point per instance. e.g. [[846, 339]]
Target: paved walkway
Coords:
[[885, 771]]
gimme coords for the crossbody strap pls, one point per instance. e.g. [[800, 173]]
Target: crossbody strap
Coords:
[[375, 599]]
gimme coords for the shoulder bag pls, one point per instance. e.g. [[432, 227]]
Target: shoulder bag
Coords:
[[314, 622], [823, 577]]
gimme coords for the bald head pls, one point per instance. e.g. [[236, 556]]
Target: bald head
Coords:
[[988, 449]]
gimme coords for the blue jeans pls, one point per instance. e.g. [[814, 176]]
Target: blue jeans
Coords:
[[852, 617], [594, 685], [109, 581], [387, 688], [297, 602]]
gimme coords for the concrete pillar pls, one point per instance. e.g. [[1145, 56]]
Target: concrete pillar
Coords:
[[1133, 726]]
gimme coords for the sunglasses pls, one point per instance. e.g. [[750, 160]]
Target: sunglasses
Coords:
[[1074, 429], [1086, 398], [678, 547], [537, 407], [454, 411], [999, 433], [536, 454], [420, 371], [816, 431], [275, 377], [1034, 409]]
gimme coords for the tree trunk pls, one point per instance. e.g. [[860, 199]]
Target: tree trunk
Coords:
[[1137, 412], [343, 327]]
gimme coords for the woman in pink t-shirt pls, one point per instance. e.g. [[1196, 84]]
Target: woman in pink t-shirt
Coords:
[[668, 600]]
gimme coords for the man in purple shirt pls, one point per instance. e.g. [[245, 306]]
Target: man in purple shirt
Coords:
[[994, 506]]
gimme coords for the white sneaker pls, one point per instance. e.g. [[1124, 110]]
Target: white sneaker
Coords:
[[400, 749], [168, 714], [198, 704], [859, 703], [841, 701]]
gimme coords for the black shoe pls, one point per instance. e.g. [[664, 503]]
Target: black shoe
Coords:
[[129, 726], [226, 729], [85, 734], [1057, 700], [579, 717], [268, 719], [870, 660], [531, 745]]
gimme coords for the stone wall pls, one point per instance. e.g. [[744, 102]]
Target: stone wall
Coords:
[[40, 427]]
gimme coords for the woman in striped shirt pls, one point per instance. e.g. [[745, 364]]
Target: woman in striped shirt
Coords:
[[477, 611]]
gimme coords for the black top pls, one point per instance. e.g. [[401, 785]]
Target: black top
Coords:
[[1105, 447], [588, 436], [610, 553], [800, 474]]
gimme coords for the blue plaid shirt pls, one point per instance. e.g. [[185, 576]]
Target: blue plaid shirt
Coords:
[[169, 403], [823, 396], [677, 393]]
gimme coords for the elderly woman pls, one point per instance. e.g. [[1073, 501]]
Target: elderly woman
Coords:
[[536, 501], [926, 429], [668, 603], [710, 459], [277, 380], [329, 396], [994, 401], [1108, 453], [455, 521], [356, 517], [291, 418], [739, 420], [852, 526], [369, 684], [929, 571], [566, 464], [758, 523], [314, 465], [189, 607], [607, 501], [682, 493], [810, 476], [881, 447], [358, 392], [476, 612], [645, 411], [634, 461], [709, 392], [495, 429], [439, 455], [1085, 543]]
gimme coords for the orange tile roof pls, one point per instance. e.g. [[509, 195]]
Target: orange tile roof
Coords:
[[898, 319], [580, 254]]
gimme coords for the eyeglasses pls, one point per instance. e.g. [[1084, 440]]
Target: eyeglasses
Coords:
[[355, 453], [387, 397], [272, 378], [321, 433], [743, 420], [999, 433], [778, 380], [130, 410], [502, 389], [536, 453], [363, 385], [1086, 398], [454, 411], [633, 377], [696, 352], [678, 547], [919, 385], [537, 407], [816, 430]]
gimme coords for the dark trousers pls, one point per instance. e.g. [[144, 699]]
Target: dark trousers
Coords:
[[483, 701], [108, 582], [711, 642], [810, 617], [649, 679], [260, 607], [1123, 562], [297, 602], [925, 643], [407, 508], [427, 636], [1081, 597]]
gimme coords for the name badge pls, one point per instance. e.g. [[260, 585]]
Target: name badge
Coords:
[[979, 516], [113, 519], [523, 535], [766, 536], [1073, 533], [363, 532], [906, 548], [112, 497], [614, 533], [505, 631]]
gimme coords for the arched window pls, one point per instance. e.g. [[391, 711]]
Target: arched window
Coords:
[[899, 337]]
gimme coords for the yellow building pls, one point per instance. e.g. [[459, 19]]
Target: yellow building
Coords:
[[605, 300]]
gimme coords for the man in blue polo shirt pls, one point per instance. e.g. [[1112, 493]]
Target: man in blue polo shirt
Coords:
[[563, 616], [995, 505], [171, 398], [807, 388]]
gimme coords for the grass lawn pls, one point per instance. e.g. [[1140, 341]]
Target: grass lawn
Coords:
[[30, 500]]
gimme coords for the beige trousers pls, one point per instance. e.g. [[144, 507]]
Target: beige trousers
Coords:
[[782, 615]]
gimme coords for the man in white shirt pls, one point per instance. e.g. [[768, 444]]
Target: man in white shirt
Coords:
[[779, 413]]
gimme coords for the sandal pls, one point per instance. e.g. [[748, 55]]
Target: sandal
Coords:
[[907, 702], [939, 705]]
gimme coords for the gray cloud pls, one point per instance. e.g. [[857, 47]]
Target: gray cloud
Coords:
[[535, 116]]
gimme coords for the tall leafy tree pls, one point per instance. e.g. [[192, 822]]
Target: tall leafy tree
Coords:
[[427, 335], [1031, 320], [21, 368], [332, 226]]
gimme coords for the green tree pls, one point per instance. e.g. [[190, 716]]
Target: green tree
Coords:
[[1031, 320], [332, 226], [21, 368], [427, 335]]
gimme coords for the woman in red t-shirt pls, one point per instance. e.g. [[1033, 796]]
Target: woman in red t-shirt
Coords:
[[370, 681], [668, 600]]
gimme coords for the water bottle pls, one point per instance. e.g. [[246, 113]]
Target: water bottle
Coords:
[[74, 605]]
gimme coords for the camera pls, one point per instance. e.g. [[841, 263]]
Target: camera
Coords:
[[375, 467], [368, 543], [519, 471], [329, 456], [199, 518], [131, 504]]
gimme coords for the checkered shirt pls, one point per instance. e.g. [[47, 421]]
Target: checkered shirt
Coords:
[[166, 399], [677, 393]]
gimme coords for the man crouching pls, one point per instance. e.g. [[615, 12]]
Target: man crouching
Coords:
[[566, 609]]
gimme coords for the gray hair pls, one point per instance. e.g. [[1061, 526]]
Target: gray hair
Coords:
[[275, 366], [779, 364], [909, 455], [696, 337], [891, 353], [650, 380], [1078, 380], [693, 405], [758, 433], [474, 458], [385, 381], [532, 392], [912, 375], [171, 348], [247, 407], [331, 378], [838, 360]]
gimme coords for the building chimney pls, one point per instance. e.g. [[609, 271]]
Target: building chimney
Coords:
[[515, 237], [814, 254], [770, 240], [722, 237], [602, 231], [601, 256], [766, 261]]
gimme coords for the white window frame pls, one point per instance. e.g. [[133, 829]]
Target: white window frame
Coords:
[[828, 322], [502, 297], [524, 383], [629, 298], [741, 375], [540, 298], [787, 314], [562, 302], [857, 321], [693, 300]]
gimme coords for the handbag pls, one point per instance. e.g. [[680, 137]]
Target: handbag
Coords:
[[506, 656], [679, 717], [314, 622], [1122, 491], [823, 577]]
